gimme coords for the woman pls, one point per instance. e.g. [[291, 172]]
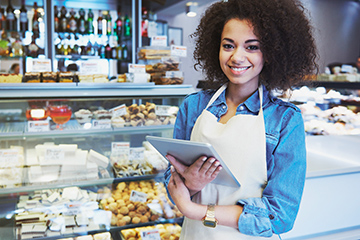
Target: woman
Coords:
[[248, 47]]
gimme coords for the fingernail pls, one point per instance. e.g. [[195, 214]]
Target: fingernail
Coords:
[[204, 159], [212, 160], [217, 164], [220, 167], [172, 169]]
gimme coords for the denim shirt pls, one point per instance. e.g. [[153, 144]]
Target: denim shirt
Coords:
[[276, 210]]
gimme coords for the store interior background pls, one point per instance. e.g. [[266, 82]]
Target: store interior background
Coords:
[[336, 28]]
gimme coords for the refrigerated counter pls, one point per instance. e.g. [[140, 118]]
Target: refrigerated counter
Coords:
[[331, 201]]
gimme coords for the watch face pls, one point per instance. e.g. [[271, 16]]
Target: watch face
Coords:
[[208, 223]]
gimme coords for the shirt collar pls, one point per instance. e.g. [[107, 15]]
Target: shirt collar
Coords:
[[252, 103]]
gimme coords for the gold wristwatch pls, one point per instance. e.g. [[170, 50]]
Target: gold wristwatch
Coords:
[[209, 220]]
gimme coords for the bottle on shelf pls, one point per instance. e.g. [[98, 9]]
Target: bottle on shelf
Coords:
[[63, 20], [89, 22], [102, 51], [125, 55], [127, 26], [107, 51], [2, 19], [24, 22], [72, 23], [144, 22], [99, 23], [35, 22], [108, 24], [119, 52], [33, 48], [119, 25], [11, 20], [114, 52], [81, 21], [56, 19]]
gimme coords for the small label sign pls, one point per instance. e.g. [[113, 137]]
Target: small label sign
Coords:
[[159, 41], [8, 157], [39, 126], [137, 196], [137, 68], [150, 235], [101, 124], [180, 51], [54, 155]]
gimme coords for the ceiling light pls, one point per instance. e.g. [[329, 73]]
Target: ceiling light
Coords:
[[191, 8]]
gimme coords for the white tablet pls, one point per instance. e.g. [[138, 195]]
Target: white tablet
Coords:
[[188, 152]]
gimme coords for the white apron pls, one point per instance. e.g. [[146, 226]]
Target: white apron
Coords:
[[241, 144]]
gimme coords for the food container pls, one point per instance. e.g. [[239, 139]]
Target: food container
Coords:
[[171, 78], [147, 53]]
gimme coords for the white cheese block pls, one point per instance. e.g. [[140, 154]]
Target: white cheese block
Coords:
[[98, 158]]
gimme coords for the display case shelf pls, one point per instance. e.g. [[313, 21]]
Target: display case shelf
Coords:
[[72, 128], [84, 90], [338, 85]]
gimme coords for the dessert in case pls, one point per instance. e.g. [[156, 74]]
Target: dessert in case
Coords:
[[83, 116]]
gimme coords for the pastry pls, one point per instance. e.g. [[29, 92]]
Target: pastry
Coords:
[[83, 116], [102, 114], [32, 77], [49, 77], [117, 122], [66, 77]]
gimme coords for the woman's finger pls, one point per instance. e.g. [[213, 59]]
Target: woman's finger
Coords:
[[178, 165]]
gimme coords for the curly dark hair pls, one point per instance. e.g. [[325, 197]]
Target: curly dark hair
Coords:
[[285, 36]]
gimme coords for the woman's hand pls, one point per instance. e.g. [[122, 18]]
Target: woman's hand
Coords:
[[199, 174], [179, 192]]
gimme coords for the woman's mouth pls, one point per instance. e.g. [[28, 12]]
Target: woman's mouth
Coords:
[[238, 69]]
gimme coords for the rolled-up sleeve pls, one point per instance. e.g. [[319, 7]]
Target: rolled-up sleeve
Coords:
[[276, 211]]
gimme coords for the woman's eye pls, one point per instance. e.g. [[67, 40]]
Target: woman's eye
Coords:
[[227, 46], [253, 47]]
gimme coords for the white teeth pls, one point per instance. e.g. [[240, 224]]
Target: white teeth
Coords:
[[239, 69]]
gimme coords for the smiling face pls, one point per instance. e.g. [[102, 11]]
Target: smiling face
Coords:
[[240, 55]]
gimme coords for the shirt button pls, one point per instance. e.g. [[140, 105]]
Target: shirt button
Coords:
[[241, 108], [271, 217]]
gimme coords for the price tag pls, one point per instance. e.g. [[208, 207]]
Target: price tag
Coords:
[[41, 65], [150, 235], [162, 110], [102, 124], [119, 110], [136, 68], [137, 196], [180, 51], [120, 149], [54, 155], [159, 41], [137, 153], [38, 126], [87, 67], [9, 157]]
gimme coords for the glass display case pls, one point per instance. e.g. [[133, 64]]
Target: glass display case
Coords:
[[74, 160]]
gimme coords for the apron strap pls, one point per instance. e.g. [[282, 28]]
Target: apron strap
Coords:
[[223, 87]]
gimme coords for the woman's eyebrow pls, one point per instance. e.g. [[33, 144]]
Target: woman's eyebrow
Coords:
[[251, 40], [247, 41]]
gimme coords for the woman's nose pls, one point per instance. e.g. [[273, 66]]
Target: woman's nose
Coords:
[[239, 55]]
